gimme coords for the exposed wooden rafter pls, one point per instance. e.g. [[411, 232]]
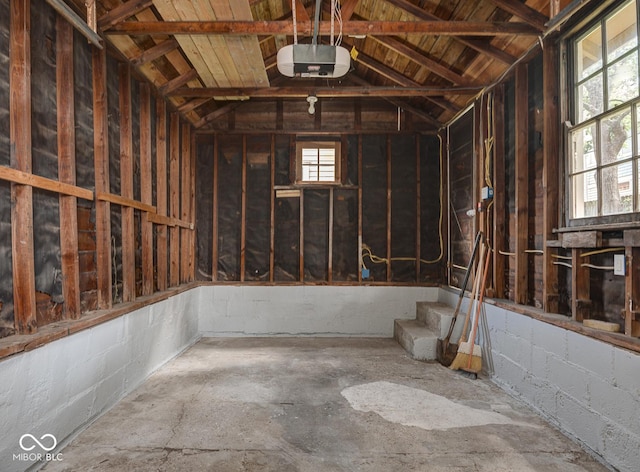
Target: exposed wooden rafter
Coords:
[[380, 28]]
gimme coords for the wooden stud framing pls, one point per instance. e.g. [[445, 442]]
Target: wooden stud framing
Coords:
[[126, 184], [185, 201], [359, 208], [418, 207], [389, 208], [580, 296], [330, 248], [24, 292], [272, 208], [522, 185], [499, 194], [243, 209], [146, 190], [192, 210], [632, 292], [214, 223], [301, 241], [174, 199], [67, 169], [101, 166], [161, 193], [551, 171]]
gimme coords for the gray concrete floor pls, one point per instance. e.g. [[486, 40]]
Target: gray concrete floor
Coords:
[[317, 404]]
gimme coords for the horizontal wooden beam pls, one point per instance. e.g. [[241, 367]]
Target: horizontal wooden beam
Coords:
[[323, 92], [126, 202], [18, 177], [285, 27], [78, 23], [167, 220], [122, 12]]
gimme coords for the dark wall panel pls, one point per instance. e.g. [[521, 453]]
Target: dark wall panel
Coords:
[[204, 206], [229, 206], [461, 197], [345, 235], [6, 272], [431, 243], [287, 240], [374, 202], [403, 208], [316, 234], [258, 234]]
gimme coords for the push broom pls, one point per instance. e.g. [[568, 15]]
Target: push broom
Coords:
[[469, 357], [446, 350]]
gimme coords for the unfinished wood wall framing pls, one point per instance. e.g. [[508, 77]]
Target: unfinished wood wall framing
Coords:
[[537, 263], [89, 207], [267, 229]]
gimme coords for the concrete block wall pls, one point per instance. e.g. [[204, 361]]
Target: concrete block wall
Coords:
[[307, 310], [62, 386], [588, 388]]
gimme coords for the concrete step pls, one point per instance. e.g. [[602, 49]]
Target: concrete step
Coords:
[[435, 316], [418, 340]]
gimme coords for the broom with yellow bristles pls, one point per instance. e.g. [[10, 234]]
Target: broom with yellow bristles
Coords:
[[469, 356]]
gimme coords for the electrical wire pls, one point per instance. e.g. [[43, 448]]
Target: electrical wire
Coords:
[[592, 266], [383, 260], [601, 251], [440, 218], [565, 264]]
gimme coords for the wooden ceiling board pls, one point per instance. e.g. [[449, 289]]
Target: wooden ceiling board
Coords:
[[220, 61]]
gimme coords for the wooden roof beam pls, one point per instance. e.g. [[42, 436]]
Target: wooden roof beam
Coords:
[[523, 11], [178, 82], [122, 12], [155, 52], [423, 60], [402, 80], [279, 27], [322, 92], [482, 46]]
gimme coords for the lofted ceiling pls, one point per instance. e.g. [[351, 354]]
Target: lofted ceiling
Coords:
[[430, 57]]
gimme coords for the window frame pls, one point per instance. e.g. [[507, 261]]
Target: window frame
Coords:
[[335, 144], [573, 82]]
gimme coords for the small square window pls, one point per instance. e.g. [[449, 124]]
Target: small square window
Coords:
[[318, 162]]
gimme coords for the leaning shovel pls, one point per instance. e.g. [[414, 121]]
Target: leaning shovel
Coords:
[[446, 351]]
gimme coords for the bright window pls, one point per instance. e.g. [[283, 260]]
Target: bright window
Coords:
[[604, 140], [318, 161]]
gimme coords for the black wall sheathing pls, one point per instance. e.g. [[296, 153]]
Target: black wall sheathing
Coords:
[[432, 245], [316, 235], [83, 106], [116, 253], [258, 208], [535, 167], [204, 206], [229, 206], [403, 208], [6, 271], [509, 183], [283, 174], [287, 240], [399, 151], [113, 107], [461, 197], [345, 235], [46, 213], [352, 161], [113, 112], [135, 133], [44, 149], [374, 202]]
